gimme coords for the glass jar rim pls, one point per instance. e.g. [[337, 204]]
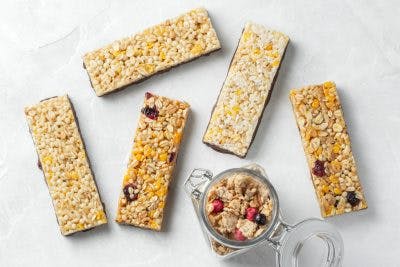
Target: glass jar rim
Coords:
[[250, 242]]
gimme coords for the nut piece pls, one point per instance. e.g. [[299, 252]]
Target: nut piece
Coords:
[[156, 49], [63, 160], [151, 163], [326, 143]]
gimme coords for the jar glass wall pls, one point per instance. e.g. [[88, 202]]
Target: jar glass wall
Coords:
[[290, 242]]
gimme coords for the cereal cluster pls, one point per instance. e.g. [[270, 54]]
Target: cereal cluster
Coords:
[[327, 146], [239, 207], [152, 160], [156, 49], [65, 165], [246, 90]]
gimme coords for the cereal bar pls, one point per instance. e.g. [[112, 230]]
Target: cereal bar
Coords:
[[151, 163], [65, 165], [246, 90], [327, 146], [156, 49]]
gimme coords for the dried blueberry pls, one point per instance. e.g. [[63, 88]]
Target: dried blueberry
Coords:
[[352, 198], [171, 157], [261, 219], [151, 113], [129, 192], [319, 169]]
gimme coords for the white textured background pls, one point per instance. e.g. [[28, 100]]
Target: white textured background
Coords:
[[355, 43]]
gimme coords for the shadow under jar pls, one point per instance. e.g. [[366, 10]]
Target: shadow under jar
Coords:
[[248, 204]]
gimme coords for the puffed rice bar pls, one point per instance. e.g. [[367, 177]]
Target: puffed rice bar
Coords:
[[154, 50], [65, 165], [151, 163], [327, 146], [246, 90]]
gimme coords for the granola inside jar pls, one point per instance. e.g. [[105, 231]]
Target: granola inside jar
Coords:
[[239, 207]]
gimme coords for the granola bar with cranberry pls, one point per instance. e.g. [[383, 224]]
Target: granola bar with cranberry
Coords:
[[326, 143], [152, 161]]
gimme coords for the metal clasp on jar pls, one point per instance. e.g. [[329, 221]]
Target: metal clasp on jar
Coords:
[[198, 179]]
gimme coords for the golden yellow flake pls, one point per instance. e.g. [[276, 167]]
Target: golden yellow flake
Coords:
[[163, 156], [257, 51], [337, 191], [162, 55], [149, 45], [118, 53], [197, 49], [315, 104], [73, 175], [149, 68], [268, 47], [276, 63], [100, 215], [235, 109], [177, 138], [247, 35], [325, 188], [333, 179], [336, 148], [48, 160], [328, 84]]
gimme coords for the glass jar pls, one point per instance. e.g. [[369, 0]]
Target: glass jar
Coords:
[[288, 241]]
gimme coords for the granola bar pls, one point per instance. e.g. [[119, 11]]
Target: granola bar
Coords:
[[156, 49], [65, 165], [327, 146], [151, 163], [246, 90]]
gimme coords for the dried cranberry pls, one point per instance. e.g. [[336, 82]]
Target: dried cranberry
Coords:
[[39, 164], [319, 169], [261, 219], [238, 235], [218, 205], [129, 192], [352, 198], [151, 113], [251, 213], [171, 157], [148, 95]]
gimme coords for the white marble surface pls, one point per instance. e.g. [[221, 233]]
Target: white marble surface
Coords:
[[355, 43]]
